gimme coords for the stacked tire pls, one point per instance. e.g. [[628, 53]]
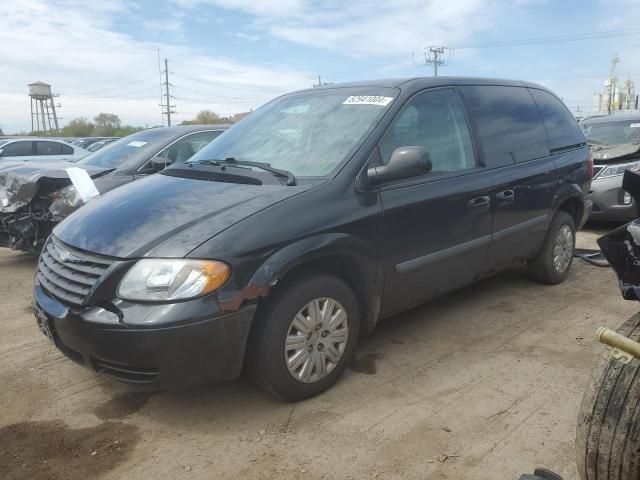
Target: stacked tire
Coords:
[[608, 431]]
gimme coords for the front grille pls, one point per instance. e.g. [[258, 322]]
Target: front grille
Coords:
[[68, 273]]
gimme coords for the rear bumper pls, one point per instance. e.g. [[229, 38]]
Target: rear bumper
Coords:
[[187, 352]]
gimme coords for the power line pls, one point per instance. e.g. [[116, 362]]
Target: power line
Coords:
[[248, 87], [556, 39], [635, 32], [207, 94], [108, 89]]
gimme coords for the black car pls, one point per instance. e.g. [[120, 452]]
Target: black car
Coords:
[[295, 232], [35, 196]]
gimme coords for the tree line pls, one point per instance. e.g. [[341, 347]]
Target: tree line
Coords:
[[110, 125]]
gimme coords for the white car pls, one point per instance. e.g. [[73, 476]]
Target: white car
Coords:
[[31, 149]]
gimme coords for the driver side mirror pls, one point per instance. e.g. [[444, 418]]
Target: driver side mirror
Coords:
[[160, 163], [405, 162]]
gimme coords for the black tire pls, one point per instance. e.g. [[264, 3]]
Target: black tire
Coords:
[[542, 268], [266, 347], [608, 431]]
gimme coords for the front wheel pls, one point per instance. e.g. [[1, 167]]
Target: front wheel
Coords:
[[552, 264], [305, 336]]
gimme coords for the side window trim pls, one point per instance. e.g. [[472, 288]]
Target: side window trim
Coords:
[[431, 177]]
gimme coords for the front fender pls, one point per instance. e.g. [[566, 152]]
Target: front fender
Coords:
[[354, 252]]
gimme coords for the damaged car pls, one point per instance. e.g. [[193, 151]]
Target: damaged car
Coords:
[[615, 147], [35, 196], [280, 243]]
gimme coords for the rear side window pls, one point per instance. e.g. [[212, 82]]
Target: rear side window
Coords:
[[16, 149], [48, 148], [66, 149], [562, 129], [433, 120], [508, 123]]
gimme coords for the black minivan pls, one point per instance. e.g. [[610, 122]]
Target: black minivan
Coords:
[[276, 246]]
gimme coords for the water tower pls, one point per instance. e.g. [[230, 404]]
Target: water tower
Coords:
[[43, 111]]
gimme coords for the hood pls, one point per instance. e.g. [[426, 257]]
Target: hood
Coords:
[[20, 181], [609, 153], [165, 216]]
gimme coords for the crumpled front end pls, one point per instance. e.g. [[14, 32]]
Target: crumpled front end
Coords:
[[31, 203], [621, 246]]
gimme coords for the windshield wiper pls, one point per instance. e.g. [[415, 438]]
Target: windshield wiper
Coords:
[[291, 179]]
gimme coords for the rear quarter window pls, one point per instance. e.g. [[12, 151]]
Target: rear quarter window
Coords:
[[508, 124], [48, 148], [562, 128], [67, 150]]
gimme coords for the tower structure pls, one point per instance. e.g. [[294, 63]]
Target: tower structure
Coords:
[[43, 110]]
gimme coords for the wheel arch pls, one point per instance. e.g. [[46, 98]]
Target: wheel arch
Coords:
[[350, 258], [572, 202]]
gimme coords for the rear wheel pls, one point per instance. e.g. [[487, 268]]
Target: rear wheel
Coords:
[[305, 336], [552, 264], [608, 431]]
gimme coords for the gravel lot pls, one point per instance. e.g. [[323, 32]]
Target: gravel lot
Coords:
[[483, 383]]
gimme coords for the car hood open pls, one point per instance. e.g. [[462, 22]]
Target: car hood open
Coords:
[[165, 216], [21, 181]]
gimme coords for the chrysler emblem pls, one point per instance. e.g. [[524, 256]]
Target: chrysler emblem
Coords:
[[66, 255]]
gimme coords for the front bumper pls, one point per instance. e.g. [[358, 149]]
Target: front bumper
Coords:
[[608, 201], [185, 344]]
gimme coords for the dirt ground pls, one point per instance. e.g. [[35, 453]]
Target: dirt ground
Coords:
[[482, 384]]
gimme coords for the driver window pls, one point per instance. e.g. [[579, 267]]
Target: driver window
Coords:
[[186, 147], [433, 120]]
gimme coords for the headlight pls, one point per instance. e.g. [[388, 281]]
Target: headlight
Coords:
[[69, 195], [65, 201], [618, 169], [158, 279]]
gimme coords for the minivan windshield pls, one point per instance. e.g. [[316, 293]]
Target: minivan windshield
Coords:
[[613, 132], [308, 133], [117, 153]]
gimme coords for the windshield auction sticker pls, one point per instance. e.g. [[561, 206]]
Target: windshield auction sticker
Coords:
[[136, 144], [634, 125], [368, 100]]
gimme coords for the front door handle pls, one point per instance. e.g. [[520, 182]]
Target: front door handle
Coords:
[[479, 202], [506, 197]]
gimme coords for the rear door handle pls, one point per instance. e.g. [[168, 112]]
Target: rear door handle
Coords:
[[479, 202], [506, 197]]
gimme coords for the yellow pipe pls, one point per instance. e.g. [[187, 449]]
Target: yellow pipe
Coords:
[[613, 339]]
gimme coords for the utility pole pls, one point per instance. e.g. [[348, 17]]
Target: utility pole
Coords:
[[167, 105], [612, 81], [437, 56], [320, 83]]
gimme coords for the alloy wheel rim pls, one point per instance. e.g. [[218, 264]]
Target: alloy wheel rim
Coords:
[[316, 340], [563, 249]]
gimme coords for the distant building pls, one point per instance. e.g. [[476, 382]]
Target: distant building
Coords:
[[616, 97]]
